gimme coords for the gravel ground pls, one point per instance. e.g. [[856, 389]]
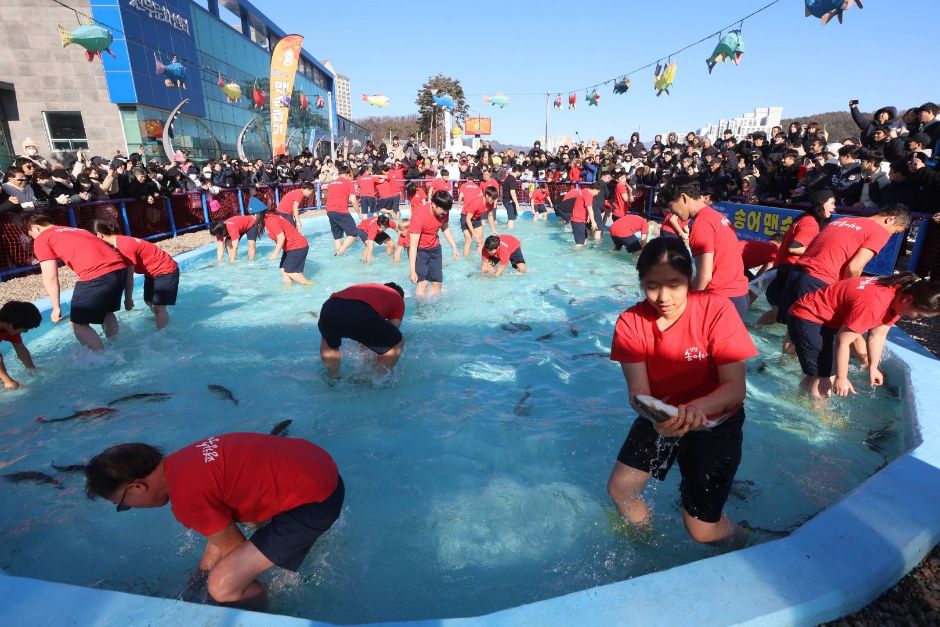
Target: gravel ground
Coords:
[[915, 600]]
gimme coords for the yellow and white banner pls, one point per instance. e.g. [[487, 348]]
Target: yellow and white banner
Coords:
[[284, 61]]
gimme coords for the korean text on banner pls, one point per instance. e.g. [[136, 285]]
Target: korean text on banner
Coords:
[[284, 61]]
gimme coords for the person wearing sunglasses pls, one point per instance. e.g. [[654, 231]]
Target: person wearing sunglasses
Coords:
[[220, 481]]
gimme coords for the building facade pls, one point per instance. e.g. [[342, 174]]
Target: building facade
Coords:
[[56, 97], [343, 93], [760, 119]]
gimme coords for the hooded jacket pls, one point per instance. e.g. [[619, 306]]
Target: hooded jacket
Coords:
[[867, 124]]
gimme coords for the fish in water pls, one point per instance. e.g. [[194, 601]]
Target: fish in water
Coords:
[[83, 414], [545, 337], [595, 354], [522, 407], [573, 330], [515, 327], [879, 439], [314, 314], [743, 489], [150, 397], [33, 477], [281, 427], [223, 392], [70, 467], [559, 288], [762, 367]]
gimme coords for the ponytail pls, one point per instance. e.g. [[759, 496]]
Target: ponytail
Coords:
[[924, 293], [104, 227]]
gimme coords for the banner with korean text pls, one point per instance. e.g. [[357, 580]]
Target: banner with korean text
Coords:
[[284, 61]]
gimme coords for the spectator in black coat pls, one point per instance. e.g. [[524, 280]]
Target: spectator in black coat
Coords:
[[142, 187], [867, 125], [930, 124]]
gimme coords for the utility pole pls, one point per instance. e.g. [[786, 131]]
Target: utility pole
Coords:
[[548, 142]]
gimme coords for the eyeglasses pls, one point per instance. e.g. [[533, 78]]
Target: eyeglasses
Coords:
[[20, 180], [121, 506]]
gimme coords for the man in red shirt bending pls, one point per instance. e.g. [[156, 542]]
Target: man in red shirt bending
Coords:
[[232, 478], [101, 276], [498, 252], [289, 206]]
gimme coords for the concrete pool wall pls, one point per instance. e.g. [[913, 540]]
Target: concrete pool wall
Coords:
[[832, 565]]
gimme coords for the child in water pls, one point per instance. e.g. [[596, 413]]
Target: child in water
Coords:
[[16, 318]]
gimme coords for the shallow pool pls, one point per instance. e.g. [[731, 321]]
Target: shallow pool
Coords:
[[476, 473]]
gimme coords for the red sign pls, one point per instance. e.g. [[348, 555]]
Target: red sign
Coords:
[[478, 126], [151, 128]]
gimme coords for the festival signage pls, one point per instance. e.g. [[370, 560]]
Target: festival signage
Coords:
[[161, 13], [756, 222], [284, 60], [478, 126]]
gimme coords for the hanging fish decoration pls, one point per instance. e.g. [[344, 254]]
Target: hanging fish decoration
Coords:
[[730, 47], [260, 98], [572, 100], [498, 100], [93, 38], [320, 102], [443, 101], [304, 101], [376, 100], [593, 98], [621, 85], [558, 101], [663, 81], [232, 90], [825, 10], [174, 71]]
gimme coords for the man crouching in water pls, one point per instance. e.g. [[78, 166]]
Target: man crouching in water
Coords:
[[232, 478]]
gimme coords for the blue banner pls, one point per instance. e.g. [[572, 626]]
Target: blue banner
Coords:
[[756, 222]]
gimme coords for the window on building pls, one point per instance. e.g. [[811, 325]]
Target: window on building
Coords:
[[65, 129]]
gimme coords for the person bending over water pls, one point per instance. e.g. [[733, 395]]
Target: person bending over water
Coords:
[[16, 318], [498, 252], [226, 479], [688, 349], [227, 235], [288, 241]]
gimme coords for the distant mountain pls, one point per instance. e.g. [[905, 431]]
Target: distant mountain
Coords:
[[382, 125], [838, 124], [499, 147]]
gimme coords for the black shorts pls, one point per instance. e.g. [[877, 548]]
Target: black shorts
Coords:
[[579, 230], [798, 284], [293, 261], [290, 535], [632, 243], [564, 209], [252, 233], [775, 289], [511, 211], [708, 461], [93, 300], [354, 319], [477, 222], [598, 217], [288, 216], [539, 208], [516, 258], [429, 265], [367, 204], [161, 290], [814, 345], [342, 224], [464, 224], [389, 203]]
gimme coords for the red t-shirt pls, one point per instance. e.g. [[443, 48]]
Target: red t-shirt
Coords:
[[236, 226], [507, 246], [667, 225], [490, 182], [145, 257], [539, 196], [386, 188], [372, 228], [620, 205], [88, 256], [438, 185], [469, 190], [755, 253], [287, 201], [712, 233], [366, 184], [859, 304], [384, 300], [682, 362], [477, 207], [828, 255], [803, 231], [338, 193], [574, 173], [245, 477], [418, 199], [12, 339], [629, 225], [275, 225], [426, 224], [397, 177], [578, 209]]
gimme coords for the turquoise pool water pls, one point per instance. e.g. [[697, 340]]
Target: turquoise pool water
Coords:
[[476, 473]]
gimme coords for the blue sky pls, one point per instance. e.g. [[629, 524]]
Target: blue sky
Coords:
[[527, 47]]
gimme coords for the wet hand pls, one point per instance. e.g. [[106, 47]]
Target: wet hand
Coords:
[[128, 304], [11, 384], [842, 387], [875, 377], [413, 276], [272, 257], [56, 315]]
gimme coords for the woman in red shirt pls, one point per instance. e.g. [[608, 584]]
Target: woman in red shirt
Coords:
[[287, 239], [687, 349], [161, 272], [833, 317]]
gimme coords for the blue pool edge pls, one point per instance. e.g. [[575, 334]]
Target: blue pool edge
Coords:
[[832, 565]]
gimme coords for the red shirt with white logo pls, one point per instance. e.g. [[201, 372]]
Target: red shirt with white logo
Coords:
[[236, 226], [507, 246], [418, 199], [539, 196], [397, 177], [245, 477], [756, 253], [858, 303], [579, 209], [386, 188], [803, 231], [88, 256], [366, 184], [682, 362], [145, 257], [712, 233], [438, 185], [477, 207], [829, 254], [287, 201], [620, 205], [386, 302], [469, 190], [372, 228], [490, 182], [275, 225], [338, 193], [628, 225], [426, 224]]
